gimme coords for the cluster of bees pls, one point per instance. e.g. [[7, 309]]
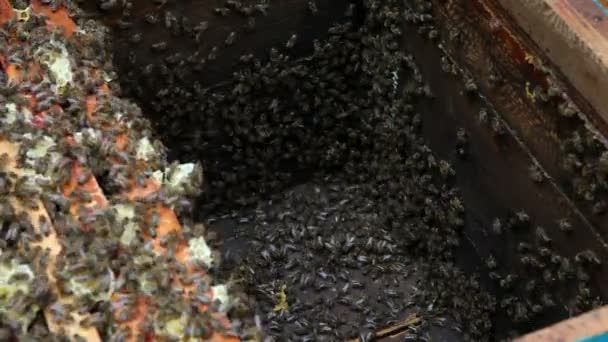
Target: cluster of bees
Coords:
[[90, 247], [374, 201], [537, 284], [344, 269], [319, 161], [585, 158]]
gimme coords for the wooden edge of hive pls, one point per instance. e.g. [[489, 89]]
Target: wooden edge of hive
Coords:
[[578, 328]]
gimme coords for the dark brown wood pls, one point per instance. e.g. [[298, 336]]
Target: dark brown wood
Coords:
[[283, 19], [494, 178]]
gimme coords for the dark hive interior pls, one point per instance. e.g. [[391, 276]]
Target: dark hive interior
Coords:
[[353, 173]]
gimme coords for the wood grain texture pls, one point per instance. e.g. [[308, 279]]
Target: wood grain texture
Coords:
[[574, 35], [586, 325]]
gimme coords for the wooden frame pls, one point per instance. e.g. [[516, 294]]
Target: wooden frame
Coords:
[[575, 329], [574, 35]]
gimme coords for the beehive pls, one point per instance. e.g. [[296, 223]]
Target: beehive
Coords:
[[419, 170]]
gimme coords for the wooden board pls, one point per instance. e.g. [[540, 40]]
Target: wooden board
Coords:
[[272, 29], [489, 51], [578, 328], [574, 35]]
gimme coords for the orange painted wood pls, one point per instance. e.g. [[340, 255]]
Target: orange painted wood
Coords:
[[6, 11], [574, 35], [57, 18], [586, 325]]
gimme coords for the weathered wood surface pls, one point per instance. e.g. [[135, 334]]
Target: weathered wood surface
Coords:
[[586, 325], [574, 35]]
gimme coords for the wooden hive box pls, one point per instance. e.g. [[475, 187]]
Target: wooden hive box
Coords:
[[523, 79]]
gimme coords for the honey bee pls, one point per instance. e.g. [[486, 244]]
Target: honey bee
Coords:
[[292, 41], [312, 7], [230, 39]]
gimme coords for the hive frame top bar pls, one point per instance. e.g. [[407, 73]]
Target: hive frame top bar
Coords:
[[574, 35]]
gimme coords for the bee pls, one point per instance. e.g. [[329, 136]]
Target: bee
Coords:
[[159, 46], [312, 7], [497, 226], [31, 203], [60, 312], [212, 54], [564, 225], [44, 105], [568, 109], [544, 251], [542, 236], [536, 308], [292, 41], [588, 256], [261, 8], [196, 328], [135, 38], [230, 39], [494, 275], [84, 177], [200, 28], [119, 335], [548, 276], [599, 207], [124, 24], [522, 219], [497, 126], [547, 300], [26, 187], [508, 281], [250, 26], [491, 262], [536, 173], [151, 18], [221, 11], [95, 319]]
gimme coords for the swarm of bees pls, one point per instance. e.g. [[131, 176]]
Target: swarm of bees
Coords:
[[372, 210], [342, 220]]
